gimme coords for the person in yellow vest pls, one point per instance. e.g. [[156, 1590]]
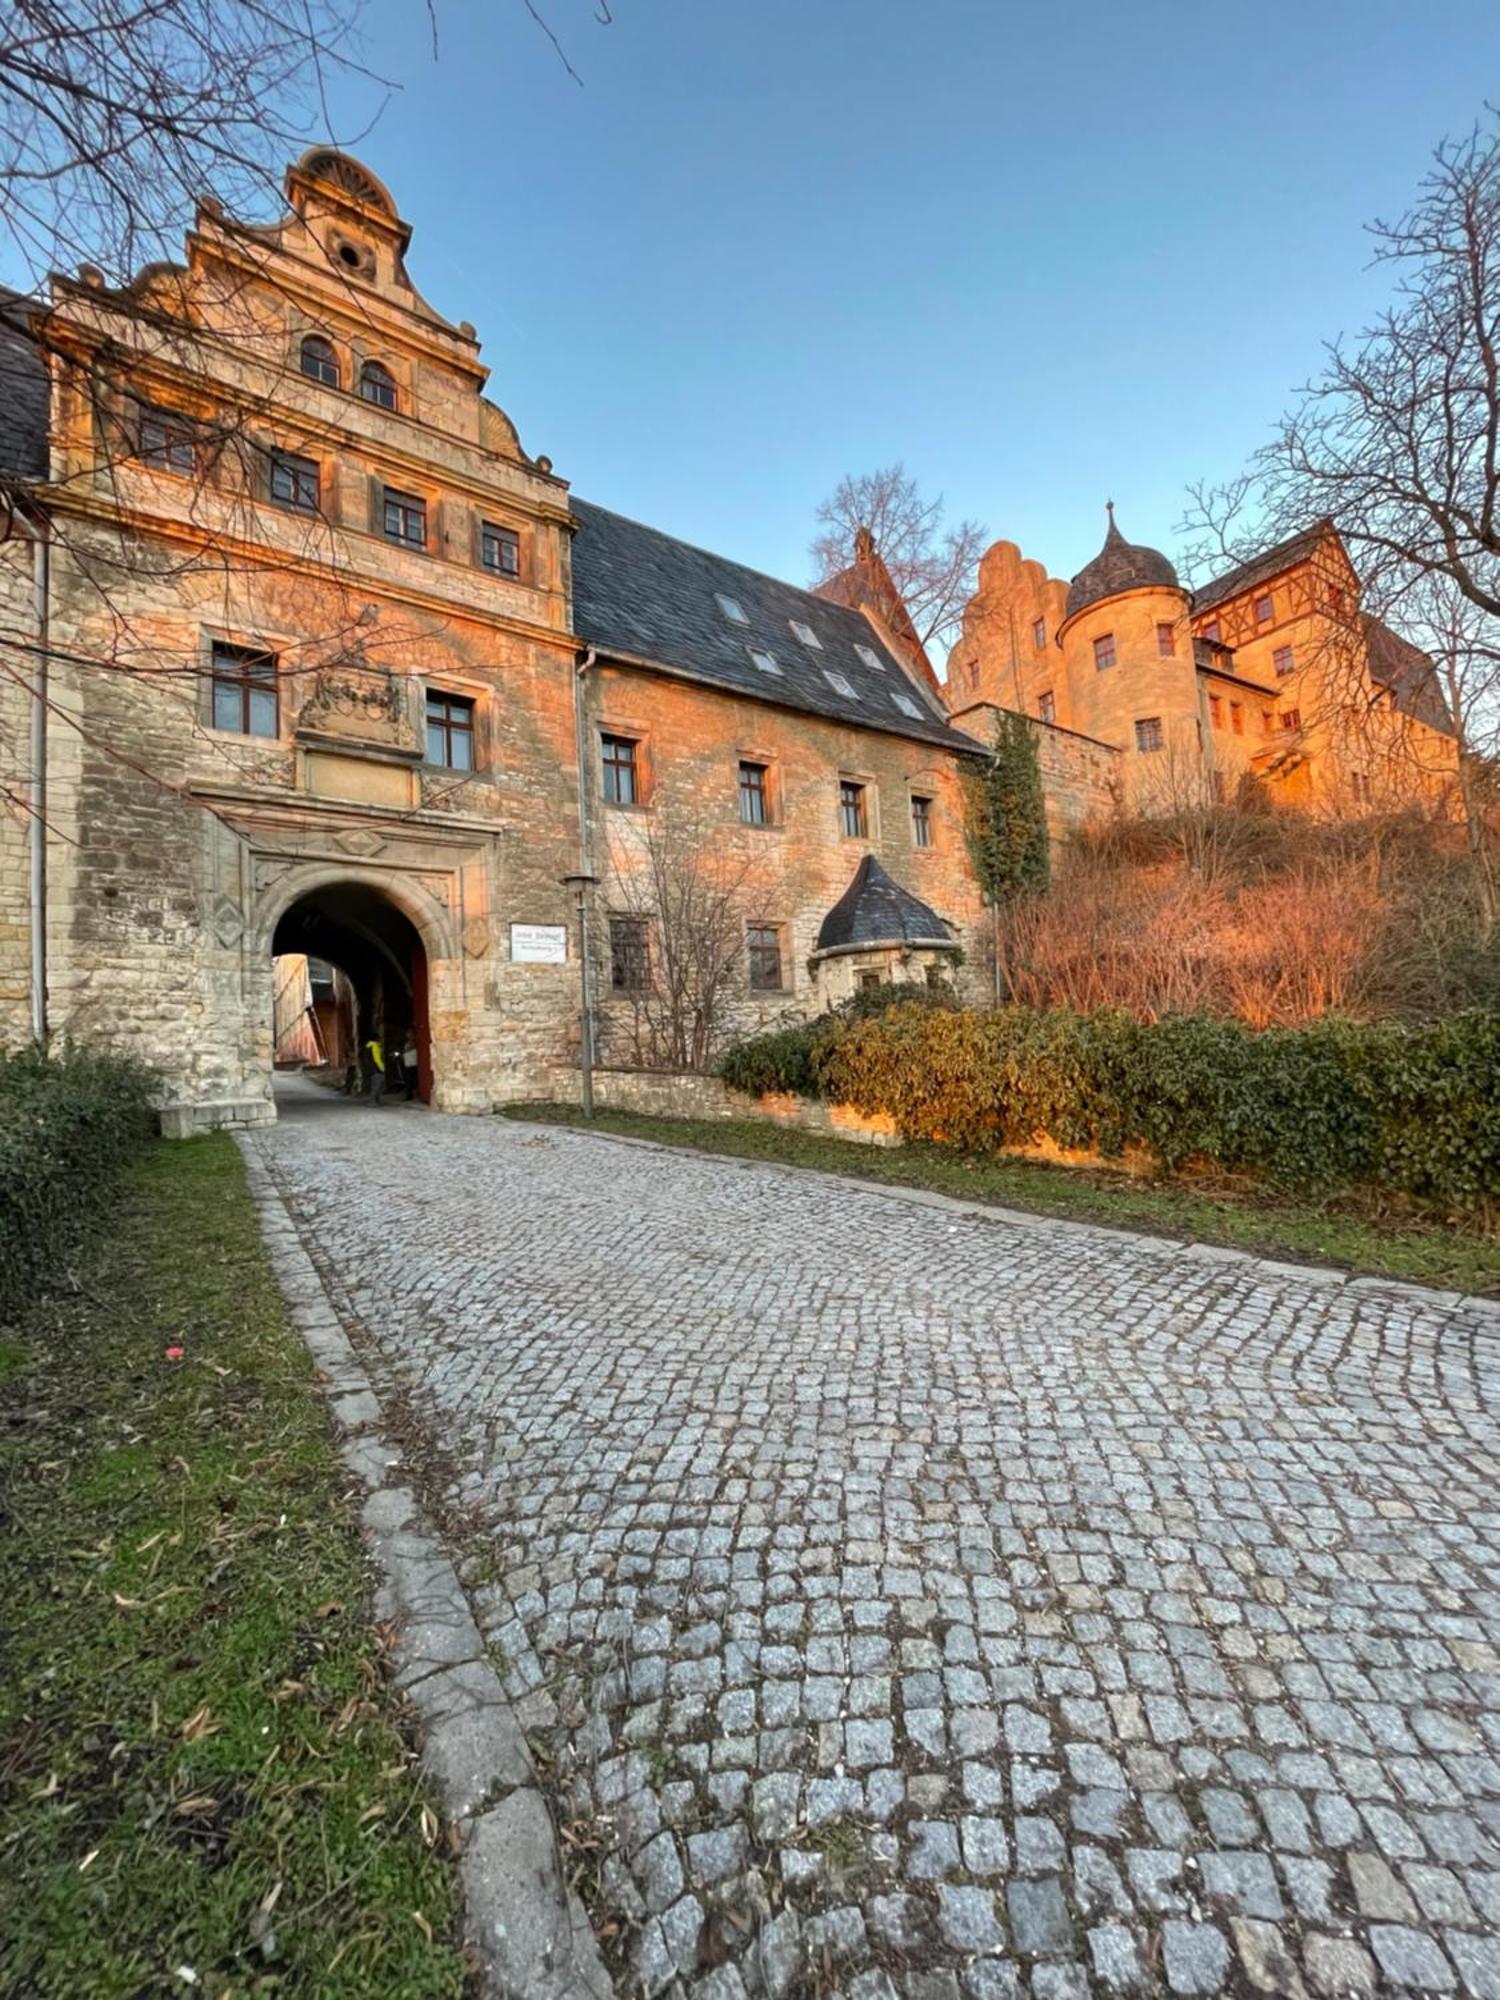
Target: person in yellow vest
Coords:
[[375, 1057]]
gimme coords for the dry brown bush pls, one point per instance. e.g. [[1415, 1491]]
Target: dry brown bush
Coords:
[[1257, 917]]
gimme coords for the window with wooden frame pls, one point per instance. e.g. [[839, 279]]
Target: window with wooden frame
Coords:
[[403, 518], [1264, 608], [243, 690], [164, 441], [921, 820], [294, 482], [620, 763], [450, 730], [1211, 631], [1104, 651], [1291, 718], [1283, 661], [1046, 706], [1148, 733], [1166, 640], [499, 549], [1039, 633], [764, 954], [854, 819], [319, 362], [629, 954], [378, 385], [755, 793]]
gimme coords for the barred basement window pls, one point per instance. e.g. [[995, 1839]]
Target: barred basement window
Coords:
[[500, 549], [294, 482], [629, 954], [450, 731], [244, 691], [763, 947]]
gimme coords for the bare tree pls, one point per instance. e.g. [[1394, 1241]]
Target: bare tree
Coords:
[[934, 568], [681, 899], [1397, 446]]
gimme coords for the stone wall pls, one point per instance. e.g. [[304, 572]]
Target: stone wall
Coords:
[[18, 636], [682, 1094]]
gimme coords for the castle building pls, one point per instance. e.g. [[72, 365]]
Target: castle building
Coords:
[[1170, 699], [306, 658]]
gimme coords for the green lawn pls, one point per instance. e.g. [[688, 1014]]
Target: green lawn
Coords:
[[206, 1787], [1322, 1233]]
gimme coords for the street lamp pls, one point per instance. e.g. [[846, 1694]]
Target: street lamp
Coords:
[[581, 884]]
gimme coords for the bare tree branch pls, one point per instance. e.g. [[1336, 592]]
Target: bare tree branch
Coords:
[[934, 568]]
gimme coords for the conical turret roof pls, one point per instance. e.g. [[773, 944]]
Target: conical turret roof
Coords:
[[1119, 566]]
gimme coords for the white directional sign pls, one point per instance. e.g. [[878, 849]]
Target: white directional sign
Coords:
[[539, 944]]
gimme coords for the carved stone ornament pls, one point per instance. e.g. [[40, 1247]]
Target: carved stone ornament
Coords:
[[477, 937], [227, 920], [359, 706], [360, 841]]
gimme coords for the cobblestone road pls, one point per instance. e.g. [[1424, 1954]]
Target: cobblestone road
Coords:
[[921, 1604]]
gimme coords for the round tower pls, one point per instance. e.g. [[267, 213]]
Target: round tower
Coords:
[[1128, 656]]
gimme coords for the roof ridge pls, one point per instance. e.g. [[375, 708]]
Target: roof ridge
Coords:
[[733, 562]]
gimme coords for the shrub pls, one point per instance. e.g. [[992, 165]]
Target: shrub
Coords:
[[786, 1059], [1316, 1110], [69, 1120]]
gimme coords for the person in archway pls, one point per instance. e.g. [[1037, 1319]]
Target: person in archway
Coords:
[[410, 1064], [375, 1058]]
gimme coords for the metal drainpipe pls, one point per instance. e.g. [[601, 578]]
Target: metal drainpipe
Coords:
[[585, 874]]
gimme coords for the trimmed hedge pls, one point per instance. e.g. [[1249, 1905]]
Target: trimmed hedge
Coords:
[[1338, 1105], [69, 1121]]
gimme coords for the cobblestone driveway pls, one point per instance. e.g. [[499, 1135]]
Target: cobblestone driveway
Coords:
[[917, 1602]]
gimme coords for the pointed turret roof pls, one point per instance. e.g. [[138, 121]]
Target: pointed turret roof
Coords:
[[1119, 566], [876, 911]]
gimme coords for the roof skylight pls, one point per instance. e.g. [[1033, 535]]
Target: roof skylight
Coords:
[[765, 661], [806, 634], [731, 609], [908, 707], [871, 658], [839, 684]]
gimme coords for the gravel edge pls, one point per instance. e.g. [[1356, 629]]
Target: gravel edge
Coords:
[[527, 1932]]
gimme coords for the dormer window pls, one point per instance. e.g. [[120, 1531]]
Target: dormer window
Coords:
[[731, 609], [765, 661], [839, 684], [870, 657], [319, 362], [806, 634], [378, 385], [908, 707]]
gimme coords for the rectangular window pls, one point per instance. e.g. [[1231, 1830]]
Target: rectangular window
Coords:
[[853, 820], [806, 634], [1216, 710], [450, 731], [166, 442], [294, 481], [732, 609], [766, 662], [1211, 631], [1039, 633], [629, 954], [244, 691], [1237, 717], [1104, 650], [1166, 640], [1148, 732], [404, 519], [755, 803], [763, 946], [921, 821], [1291, 718], [1282, 660], [870, 657], [500, 549], [1263, 608], [621, 773], [1046, 706]]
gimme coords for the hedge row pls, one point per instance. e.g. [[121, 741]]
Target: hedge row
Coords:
[[69, 1120], [1338, 1105]]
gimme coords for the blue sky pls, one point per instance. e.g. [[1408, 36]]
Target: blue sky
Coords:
[[1043, 253]]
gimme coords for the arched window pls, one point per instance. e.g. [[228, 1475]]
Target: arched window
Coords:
[[378, 385], [319, 360]]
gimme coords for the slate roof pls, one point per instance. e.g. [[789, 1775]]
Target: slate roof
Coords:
[[1409, 673], [1119, 565], [874, 910], [1260, 568], [651, 597], [24, 394]]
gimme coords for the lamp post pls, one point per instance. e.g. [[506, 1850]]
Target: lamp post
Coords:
[[581, 884]]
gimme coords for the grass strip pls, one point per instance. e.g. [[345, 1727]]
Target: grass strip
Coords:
[[206, 1784], [1336, 1233]]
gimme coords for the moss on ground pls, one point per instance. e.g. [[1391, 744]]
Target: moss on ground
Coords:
[[208, 1787]]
